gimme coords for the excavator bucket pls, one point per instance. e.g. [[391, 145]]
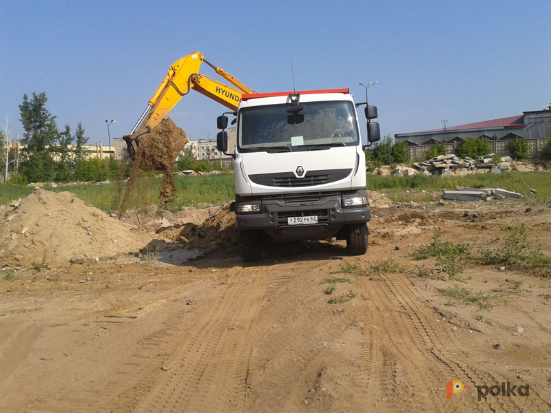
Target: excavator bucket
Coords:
[[133, 143]]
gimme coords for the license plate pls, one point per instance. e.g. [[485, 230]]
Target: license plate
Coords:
[[302, 220]]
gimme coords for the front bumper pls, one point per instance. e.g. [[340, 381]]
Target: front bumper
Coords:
[[328, 208]]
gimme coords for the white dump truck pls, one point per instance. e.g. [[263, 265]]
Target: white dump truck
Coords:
[[299, 168]]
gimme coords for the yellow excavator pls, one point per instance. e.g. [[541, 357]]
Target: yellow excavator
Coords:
[[182, 76]]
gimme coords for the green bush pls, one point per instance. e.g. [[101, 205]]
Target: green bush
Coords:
[[472, 147], [100, 170], [17, 179], [399, 152], [518, 149], [186, 163], [387, 153], [437, 149], [546, 152]]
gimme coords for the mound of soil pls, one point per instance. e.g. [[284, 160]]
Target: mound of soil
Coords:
[[218, 229], [378, 200], [49, 227]]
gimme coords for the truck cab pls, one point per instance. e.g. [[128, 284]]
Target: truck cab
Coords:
[[300, 168]]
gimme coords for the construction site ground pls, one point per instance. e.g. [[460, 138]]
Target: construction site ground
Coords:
[[198, 330]]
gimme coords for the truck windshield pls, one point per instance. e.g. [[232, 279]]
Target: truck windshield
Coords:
[[272, 128]]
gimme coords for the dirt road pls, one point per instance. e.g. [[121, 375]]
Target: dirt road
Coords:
[[213, 334]]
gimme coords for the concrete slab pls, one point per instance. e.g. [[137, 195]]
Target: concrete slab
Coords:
[[508, 194]]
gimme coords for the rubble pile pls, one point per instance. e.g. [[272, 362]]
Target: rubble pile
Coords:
[[445, 164]]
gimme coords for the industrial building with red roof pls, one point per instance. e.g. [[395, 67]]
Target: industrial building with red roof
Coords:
[[530, 125]]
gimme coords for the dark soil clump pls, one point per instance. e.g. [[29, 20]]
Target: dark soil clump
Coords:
[[158, 149]]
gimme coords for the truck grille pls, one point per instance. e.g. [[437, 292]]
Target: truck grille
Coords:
[[306, 181], [311, 178]]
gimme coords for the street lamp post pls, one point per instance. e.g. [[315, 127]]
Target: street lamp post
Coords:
[[367, 87], [109, 133]]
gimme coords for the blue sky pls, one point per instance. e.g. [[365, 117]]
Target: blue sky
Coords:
[[464, 61]]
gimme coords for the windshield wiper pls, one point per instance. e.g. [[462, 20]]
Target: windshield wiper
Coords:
[[271, 149], [282, 148], [322, 147]]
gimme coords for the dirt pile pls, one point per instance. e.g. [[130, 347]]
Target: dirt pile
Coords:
[[158, 149], [48, 227], [378, 200], [219, 229]]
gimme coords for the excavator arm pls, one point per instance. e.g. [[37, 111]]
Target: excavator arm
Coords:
[[182, 76]]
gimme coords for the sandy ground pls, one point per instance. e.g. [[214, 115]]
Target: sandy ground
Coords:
[[161, 334]]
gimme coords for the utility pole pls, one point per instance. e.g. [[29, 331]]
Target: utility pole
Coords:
[[7, 133], [109, 133]]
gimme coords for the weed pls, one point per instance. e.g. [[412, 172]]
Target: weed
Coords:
[[438, 248], [481, 319], [151, 257], [329, 289], [9, 276], [423, 272], [452, 258], [41, 264], [336, 280], [465, 296], [517, 250], [342, 298], [389, 265], [516, 286], [349, 268]]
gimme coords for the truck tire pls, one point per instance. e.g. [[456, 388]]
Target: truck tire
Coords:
[[356, 241], [250, 245]]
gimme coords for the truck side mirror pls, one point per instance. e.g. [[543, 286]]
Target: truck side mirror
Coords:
[[222, 122], [222, 140], [371, 112], [373, 132]]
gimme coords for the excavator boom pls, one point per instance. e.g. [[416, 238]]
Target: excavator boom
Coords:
[[182, 76]]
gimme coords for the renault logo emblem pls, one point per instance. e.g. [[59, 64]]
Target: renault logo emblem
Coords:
[[300, 171]]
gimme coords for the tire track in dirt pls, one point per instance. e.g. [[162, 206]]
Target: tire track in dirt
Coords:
[[441, 342], [208, 371], [406, 375]]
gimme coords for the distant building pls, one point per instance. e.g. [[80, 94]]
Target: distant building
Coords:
[[530, 125], [203, 149], [88, 151]]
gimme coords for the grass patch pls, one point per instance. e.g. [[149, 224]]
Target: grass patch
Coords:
[[349, 268], [451, 258], [465, 296], [389, 265], [192, 191], [330, 289], [10, 193], [342, 298], [517, 250], [395, 187], [336, 280]]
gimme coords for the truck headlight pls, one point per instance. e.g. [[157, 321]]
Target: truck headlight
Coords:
[[248, 208], [354, 201]]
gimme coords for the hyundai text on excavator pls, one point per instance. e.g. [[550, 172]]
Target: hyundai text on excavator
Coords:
[[299, 162]]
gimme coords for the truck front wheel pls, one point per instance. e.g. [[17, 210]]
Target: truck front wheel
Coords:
[[356, 240], [250, 245]]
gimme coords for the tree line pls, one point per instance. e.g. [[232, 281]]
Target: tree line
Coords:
[[49, 154], [387, 153]]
